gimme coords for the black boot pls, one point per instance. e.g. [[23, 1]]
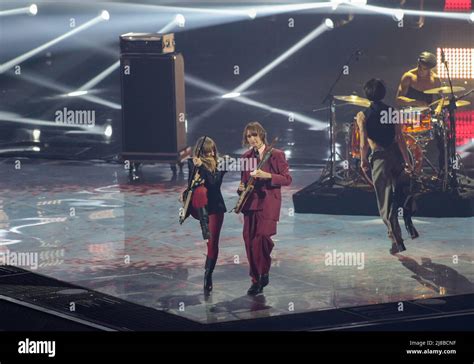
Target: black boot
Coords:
[[397, 248], [263, 280], [257, 288], [410, 227], [204, 221], [254, 289], [209, 268]]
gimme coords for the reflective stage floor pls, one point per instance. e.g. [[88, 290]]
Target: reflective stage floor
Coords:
[[84, 223]]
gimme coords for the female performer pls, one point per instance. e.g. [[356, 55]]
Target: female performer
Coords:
[[207, 201]]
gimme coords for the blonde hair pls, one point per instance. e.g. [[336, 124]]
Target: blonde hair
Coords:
[[208, 160], [254, 127]]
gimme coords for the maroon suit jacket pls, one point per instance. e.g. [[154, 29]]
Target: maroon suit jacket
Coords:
[[267, 192]]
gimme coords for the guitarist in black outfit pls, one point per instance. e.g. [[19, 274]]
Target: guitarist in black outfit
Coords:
[[207, 201]]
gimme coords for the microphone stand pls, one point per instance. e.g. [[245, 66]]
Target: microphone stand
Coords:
[[453, 182], [327, 176]]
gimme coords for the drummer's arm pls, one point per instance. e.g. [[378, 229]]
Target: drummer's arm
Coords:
[[364, 145], [402, 145], [437, 83], [402, 100]]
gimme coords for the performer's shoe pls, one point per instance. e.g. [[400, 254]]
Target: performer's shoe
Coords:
[[397, 248], [255, 289], [204, 221], [209, 268], [263, 280], [410, 227]]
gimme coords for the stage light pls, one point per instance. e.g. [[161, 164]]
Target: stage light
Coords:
[[30, 10], [83, 90], [231, 95], [288, 154], [292, 50], [252, 13], [33, 9], [108, 131], [471, 18], [313, 124], [398, 15], [329, 23], [395, 13], [105, 15], [15, 61], [77, 93], [36, 135], [36, 149], [180, 20], [460, 62], [457, 5]]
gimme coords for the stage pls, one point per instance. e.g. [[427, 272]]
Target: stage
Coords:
[[85, 224]]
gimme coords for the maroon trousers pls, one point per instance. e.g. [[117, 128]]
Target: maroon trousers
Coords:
[[215, 225], [199, 200], [258, 243]]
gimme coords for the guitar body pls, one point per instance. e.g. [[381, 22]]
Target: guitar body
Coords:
[[244, 196], [188, 208]]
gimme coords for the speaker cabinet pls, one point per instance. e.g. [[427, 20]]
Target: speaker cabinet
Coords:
[[153, 107]]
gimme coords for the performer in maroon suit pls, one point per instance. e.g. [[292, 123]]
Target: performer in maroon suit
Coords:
[[262, 209]]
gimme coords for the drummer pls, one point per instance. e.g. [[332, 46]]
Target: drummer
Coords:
[[411, 93], [416, 81]]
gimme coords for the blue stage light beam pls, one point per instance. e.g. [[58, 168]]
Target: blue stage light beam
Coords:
[[104, 16]]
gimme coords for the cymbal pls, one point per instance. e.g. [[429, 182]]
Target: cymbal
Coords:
[[459, 103], [443, 90], [354, 99]]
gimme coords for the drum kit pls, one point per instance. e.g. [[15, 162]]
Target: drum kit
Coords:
[[419, 125]]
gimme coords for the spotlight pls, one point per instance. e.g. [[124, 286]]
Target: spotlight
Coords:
[[108, 131], [180, 20], [77, 93], [288, 154], [329, 23], [252, 13], [33, 9], [36, 135], [36, 149], [398, 14], [231, 95], [105, 15]]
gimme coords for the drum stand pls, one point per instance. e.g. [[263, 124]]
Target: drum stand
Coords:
[[328, 177], [450, 157]]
